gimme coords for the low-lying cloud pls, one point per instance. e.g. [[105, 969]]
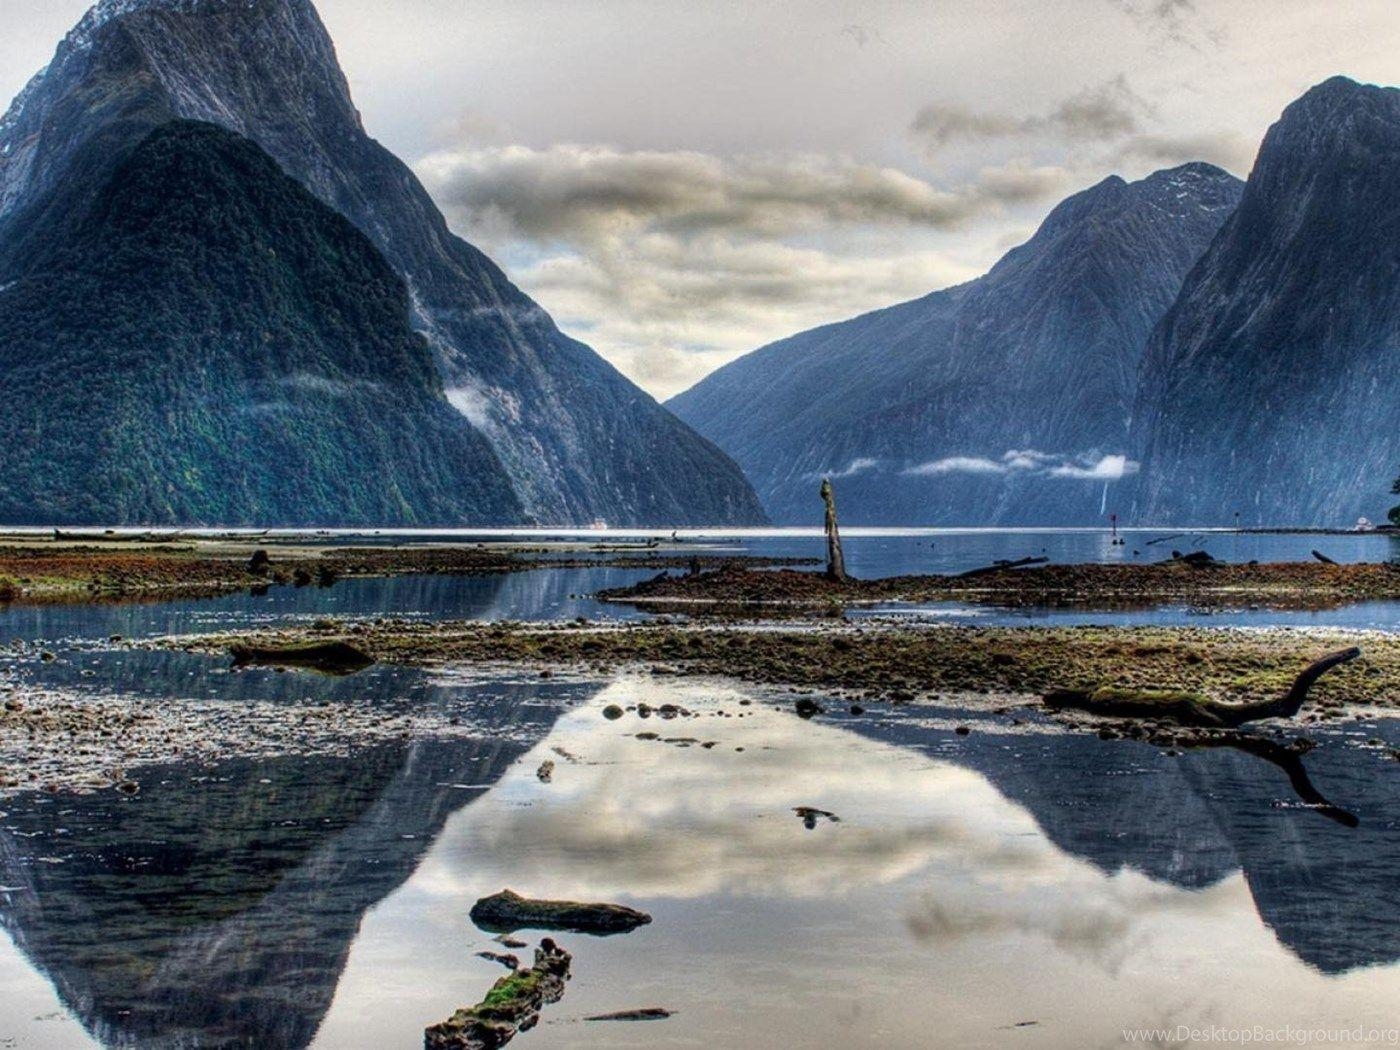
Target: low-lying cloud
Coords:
[[859, 465], [1084, 467]]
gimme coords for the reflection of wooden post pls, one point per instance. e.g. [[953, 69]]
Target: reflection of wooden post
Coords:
[[835, 560]]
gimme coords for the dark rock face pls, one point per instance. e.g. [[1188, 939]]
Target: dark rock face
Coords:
[[204, 341], [1003, 401], [577, 440], [1271, 389]]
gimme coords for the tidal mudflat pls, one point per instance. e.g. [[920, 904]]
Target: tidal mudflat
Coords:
[[845, 832]]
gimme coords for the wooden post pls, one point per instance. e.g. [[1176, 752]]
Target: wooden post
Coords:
[[835, 559]]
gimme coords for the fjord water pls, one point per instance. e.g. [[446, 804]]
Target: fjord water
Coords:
[[1018, 885], [565, 594]]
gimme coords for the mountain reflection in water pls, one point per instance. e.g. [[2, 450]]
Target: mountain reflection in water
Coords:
[[971, 883], [217, 907]]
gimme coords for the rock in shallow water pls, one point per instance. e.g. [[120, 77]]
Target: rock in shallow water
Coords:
[[333, 658], [507, 911], [511, 1006]]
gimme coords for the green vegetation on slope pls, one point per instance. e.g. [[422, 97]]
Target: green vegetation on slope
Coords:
[[207, 342]]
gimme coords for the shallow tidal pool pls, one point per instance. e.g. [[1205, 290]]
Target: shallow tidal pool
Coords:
[[1016, 885]]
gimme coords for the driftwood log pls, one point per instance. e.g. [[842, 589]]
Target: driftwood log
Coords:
[[1192, 709], [512, 1006], [835, 558], [1165, 539]]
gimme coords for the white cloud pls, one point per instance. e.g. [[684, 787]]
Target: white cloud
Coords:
[[575, 193], [1085, 467], [1109, 126], [1108, 468], [960, 465], [859, 465]]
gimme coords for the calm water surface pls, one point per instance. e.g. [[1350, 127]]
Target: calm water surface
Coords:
[[1017, 886], [567, 593]]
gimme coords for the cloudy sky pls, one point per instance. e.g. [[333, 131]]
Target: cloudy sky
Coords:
[[681, 181]]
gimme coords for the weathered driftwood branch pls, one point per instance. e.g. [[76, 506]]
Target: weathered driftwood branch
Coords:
[[1165, 539], [1001, 566], [835, 558], [1193, 709]]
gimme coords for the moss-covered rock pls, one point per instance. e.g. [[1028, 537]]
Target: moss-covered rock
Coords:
[[512, 1005]]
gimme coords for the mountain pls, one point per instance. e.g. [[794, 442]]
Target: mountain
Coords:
[[1271, 390], [1002, 401], [577, 440], [207, 342]]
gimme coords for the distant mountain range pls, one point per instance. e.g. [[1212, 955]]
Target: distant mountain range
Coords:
[[540, 428], [222, 302], [1152, 352], [1003, 401]]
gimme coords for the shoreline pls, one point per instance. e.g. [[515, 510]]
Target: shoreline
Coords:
[[738, 592], [62, 741], [78, 571], [895, 664], [779, 630]]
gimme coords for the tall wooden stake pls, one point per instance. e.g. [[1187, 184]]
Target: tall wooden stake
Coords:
[[835, 560]]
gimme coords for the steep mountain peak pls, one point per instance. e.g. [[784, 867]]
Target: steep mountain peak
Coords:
[[83, 36], [1076, 208], [1196, 174], [1190, 189], [107, 10], [579, 441], [1338, 114], [1341, 90], [1295, 304], [1115, 208], [230, 62]]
